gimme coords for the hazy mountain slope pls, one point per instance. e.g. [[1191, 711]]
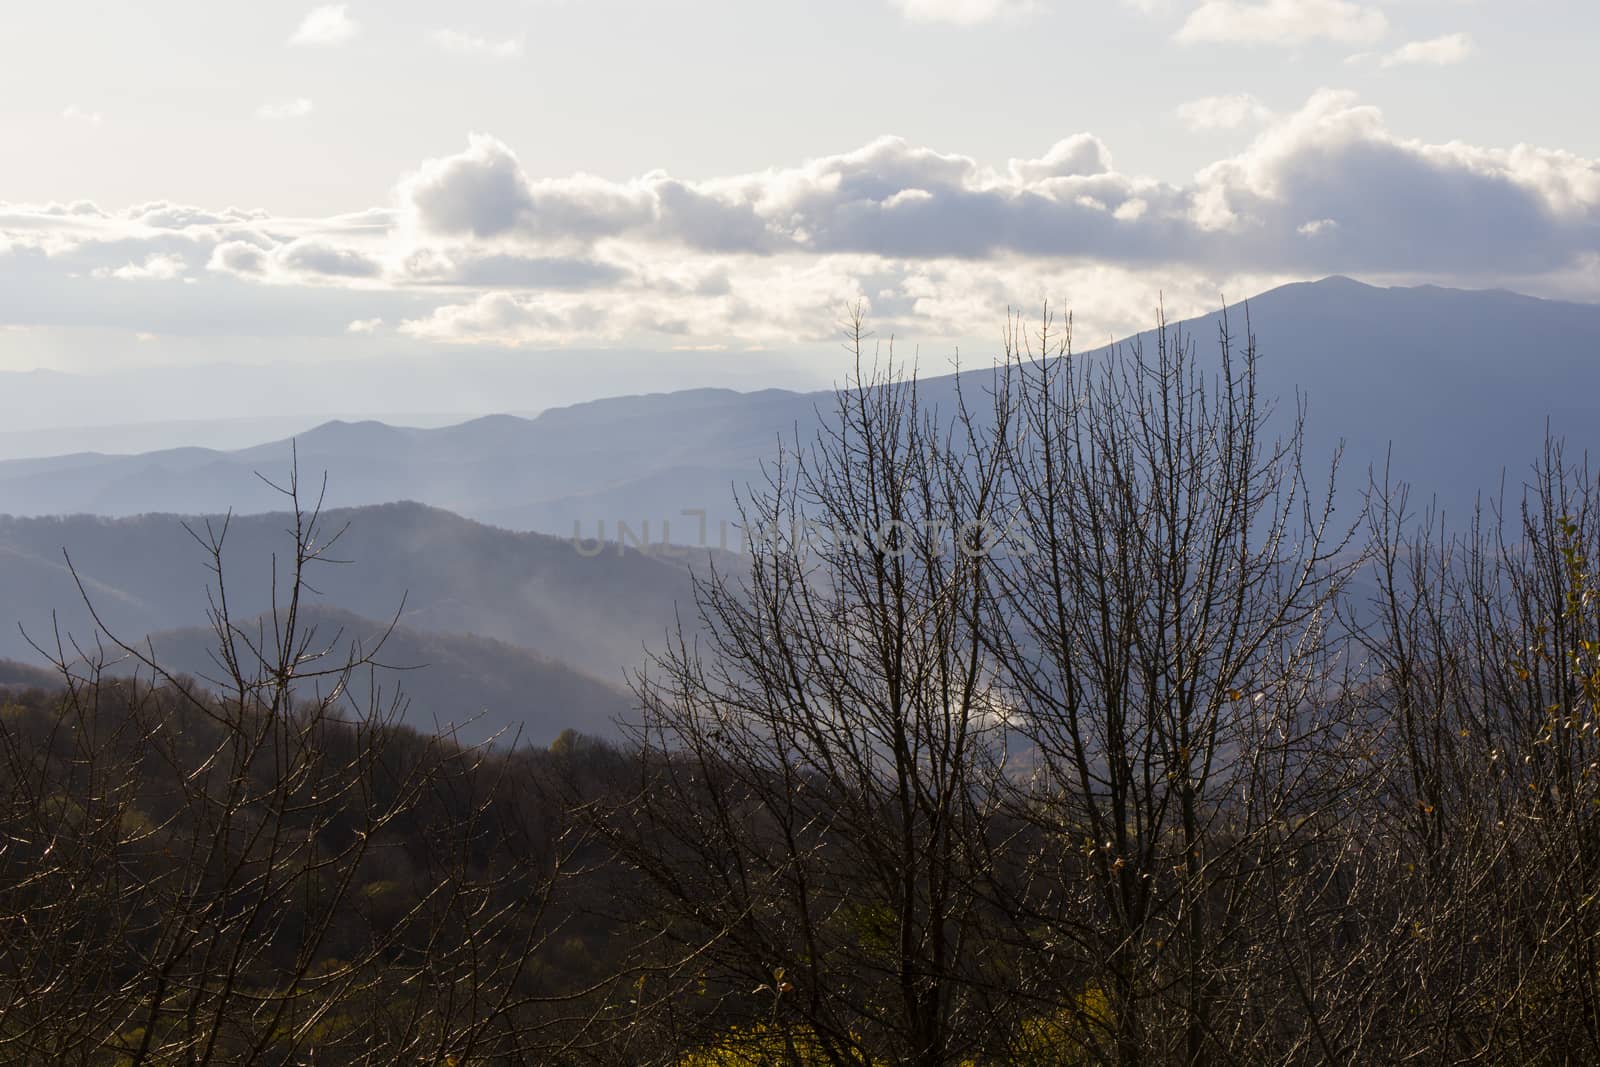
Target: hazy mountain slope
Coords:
[[689, 447], [14, 675], [455, 576], [480, 686], [1461, 382], [153, 436]]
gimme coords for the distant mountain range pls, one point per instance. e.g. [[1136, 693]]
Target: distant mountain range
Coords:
[[1462, 384], [474, 687], [630, 459], [524, 628], [576, 620], [14, 675]]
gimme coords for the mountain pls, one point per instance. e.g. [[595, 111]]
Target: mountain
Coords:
[[14, 675], [1461, 383], [480, 687], [633, 459], [535, 629], [157, 434], [594, 613]]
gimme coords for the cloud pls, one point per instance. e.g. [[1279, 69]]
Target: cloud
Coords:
[[464, 43], [313, 256], [509, 271], [1333, 159], [238, 257], [768, 300], [296, 108], [324, 26], [963, 12], [74, 113], [484, 193], [472, 247], [1443, 51], [1080, 154], [481, 192], [364, 326], [155, 267], [23, 214], [307, 258], [478, 219], [1399, 204], [1283, 22], [167, 216], [1209, 113], [1379, 202], [779, 302]]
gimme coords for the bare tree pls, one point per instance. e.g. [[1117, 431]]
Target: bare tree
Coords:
[[822, 774], [1482, 646], [252, 868], [1165, 638]]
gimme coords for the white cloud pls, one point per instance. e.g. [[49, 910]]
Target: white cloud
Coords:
[[464, 43], [313, 259], [963, 12], [782, 300], [1230, 112], [1078, 155], [1439, 52], [329, 24], [154, 267], [74, 113], [364, 326], [163, 215], [296, 108], [481, 192], [1316, 226], [1283, 22], [484, 193]]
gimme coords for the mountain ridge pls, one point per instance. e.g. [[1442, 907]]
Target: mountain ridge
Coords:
[[594, 613], [475, 688], [1423, 369]]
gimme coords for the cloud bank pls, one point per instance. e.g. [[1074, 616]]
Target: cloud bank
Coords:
[[475, 246]]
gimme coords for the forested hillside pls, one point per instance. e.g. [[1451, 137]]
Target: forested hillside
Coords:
[[593, 610], [472, 688]]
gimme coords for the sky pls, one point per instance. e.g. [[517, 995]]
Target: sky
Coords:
[[620, 196]]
